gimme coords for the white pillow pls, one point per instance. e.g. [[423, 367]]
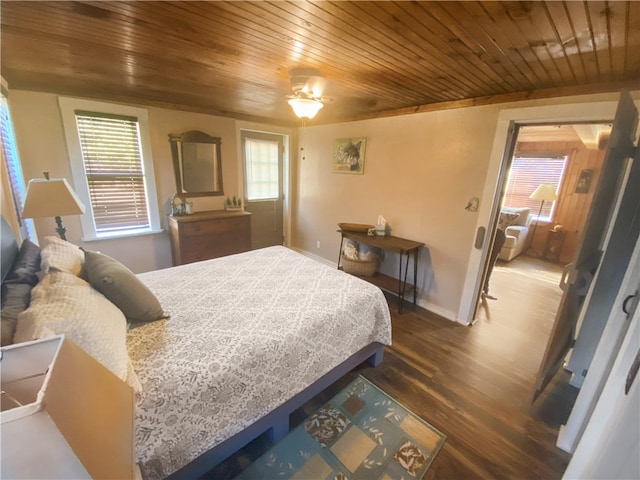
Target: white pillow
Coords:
[[507, 219], [65, 303], [58, 254]]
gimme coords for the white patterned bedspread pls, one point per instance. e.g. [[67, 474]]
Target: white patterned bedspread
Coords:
[[246, 333]]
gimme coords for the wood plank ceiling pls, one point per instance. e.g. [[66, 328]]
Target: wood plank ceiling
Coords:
[[379, 58]]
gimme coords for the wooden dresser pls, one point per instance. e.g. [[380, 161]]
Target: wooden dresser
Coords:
[[205, 235]]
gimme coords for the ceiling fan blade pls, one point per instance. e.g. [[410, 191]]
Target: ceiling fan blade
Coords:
[[315, 86], [306, 80], [308, 83]]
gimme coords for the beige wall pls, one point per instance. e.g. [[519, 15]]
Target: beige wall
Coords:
[[420, 172], [41, 146]]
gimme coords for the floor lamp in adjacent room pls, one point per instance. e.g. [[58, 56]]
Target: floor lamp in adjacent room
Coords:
[[544, 193]]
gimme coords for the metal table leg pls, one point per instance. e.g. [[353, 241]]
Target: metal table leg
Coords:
[[340, 251], [415, 275]]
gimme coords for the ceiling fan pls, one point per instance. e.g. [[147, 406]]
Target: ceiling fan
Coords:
[[308, 85]]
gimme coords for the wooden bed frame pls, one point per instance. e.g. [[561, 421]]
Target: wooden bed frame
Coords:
[[276, 423]]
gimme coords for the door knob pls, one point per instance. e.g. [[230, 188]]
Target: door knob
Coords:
[[630, 301]]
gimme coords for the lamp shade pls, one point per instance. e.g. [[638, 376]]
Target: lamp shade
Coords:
[[51, 198], [545, 191], [305, 107], [63, 414]]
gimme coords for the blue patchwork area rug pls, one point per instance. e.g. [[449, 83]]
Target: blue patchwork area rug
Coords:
[[360, 434]]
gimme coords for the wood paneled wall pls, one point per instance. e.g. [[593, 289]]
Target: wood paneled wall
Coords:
[[572, 208]]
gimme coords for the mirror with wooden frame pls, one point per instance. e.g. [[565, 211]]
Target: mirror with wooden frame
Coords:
[[197, 163]]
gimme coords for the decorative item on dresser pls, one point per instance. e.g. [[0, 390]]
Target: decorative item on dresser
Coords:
[[206, 235], [197, 163]]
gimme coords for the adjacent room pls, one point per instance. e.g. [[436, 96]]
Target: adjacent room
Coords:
[[318, 239]]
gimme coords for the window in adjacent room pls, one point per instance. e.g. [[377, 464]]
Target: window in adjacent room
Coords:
[[112, 167], [526, 174], [14, 169]]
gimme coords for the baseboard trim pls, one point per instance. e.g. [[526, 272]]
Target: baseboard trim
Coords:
[[436, 310], [317, 258]]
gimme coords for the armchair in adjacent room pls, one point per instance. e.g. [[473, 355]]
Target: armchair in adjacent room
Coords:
[[515, 223]]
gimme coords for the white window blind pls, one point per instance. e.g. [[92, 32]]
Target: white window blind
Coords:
[[114, 171], [261, 158], [526, 174], [14, 169]]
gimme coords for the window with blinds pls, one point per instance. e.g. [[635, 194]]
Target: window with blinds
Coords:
[[114, 170], [14, 169], [261, 165], [526, 174]]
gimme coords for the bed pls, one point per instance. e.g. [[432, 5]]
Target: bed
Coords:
[[248, 339]]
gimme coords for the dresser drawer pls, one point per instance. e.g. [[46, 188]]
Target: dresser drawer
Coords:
[[207, 235], [216, 226], [203, 247]]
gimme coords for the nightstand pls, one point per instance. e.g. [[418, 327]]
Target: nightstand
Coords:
[[553, 248]]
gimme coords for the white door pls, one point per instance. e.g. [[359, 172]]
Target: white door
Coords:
[[578, 275], [603, 359], [609, 446], [600, 300]]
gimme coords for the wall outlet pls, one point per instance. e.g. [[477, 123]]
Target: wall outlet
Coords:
[[318, 244]]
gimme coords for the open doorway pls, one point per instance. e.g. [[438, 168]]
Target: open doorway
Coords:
[[542, 233], [507, 125], [592, 283]]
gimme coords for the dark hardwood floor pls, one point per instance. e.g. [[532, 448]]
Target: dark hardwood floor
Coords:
[[473, 383]]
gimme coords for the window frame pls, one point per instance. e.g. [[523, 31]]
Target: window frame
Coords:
[[247, 136], [15, 175], [564, 157], [68, 106]]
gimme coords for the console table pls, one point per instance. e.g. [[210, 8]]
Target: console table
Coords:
[[406, 248]]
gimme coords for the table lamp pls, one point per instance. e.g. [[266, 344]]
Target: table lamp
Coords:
[[51, 197]]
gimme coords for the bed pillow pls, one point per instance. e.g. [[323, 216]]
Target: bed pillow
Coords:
[[16, 288], [15, 300], [63, 303], [507, 219], [26, 266], [60, 255], [122, 287]]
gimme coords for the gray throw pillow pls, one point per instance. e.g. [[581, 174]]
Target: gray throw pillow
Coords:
[[15, 300], [16, 288], [26, 266], [121, 286]]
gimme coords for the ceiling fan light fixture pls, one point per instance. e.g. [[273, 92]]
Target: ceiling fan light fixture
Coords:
[[305, 107]]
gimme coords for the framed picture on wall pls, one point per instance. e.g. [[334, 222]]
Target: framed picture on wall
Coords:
[[348, 155], [584, 181]]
